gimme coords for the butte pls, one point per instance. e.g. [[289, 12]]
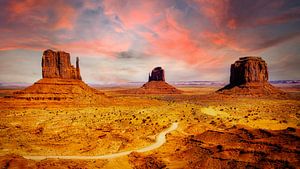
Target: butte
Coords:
[[61, 84], [249, 76], [156, 84]]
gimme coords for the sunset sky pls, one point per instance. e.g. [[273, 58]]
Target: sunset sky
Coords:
[[121, 41]]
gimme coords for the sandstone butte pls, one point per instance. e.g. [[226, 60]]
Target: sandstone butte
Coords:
[[249, 76], [61, 83], [156, 84]]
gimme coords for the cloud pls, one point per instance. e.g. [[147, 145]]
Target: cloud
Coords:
[[35, 24], [291, 15], [278, 40], [191, 29], [233, 14], [60, 16], [133, 13], [202, 35]]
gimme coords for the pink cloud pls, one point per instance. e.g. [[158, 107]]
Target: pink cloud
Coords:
[[167, 36], [105, 46], [36, 11], [214, 10], [221, 39], [159, 25], [132, 13]]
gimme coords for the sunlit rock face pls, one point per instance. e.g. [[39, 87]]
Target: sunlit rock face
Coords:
[[157, 74], [249, 76], [61, 84], [56, 64], [247, 70]]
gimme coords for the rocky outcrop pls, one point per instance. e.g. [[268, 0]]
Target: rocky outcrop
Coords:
[[157, 74], [156, 85], [241, 147], [249, 76], [56, 64], [61, 84], [248, 70]]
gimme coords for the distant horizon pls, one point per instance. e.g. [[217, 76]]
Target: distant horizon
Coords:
[[178, 83]]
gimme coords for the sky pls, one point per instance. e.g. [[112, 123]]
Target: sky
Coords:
[[120, 41]]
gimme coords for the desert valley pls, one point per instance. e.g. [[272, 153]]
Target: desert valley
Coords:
[[61, 122], [149, 84]]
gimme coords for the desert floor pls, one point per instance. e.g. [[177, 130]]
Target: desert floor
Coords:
[[213, 132]]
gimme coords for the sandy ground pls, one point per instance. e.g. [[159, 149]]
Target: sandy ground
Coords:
[[135, 122], [159, 141]]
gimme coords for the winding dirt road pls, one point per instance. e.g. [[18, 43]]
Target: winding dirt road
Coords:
[[160, 140]]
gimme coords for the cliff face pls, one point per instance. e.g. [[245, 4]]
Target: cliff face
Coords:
[[58, 65], [248, 70], [249, 76], [157, 74], [61, 85]]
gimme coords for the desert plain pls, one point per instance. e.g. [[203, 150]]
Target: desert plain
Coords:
[[149, 84], [213, 131]]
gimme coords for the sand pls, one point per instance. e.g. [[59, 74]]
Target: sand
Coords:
[[206, 125]]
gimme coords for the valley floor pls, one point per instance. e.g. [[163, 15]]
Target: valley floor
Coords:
[[213, 132]]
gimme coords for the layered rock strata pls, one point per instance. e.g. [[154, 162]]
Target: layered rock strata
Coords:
[[61, 83], [56, 64], [249, 76]]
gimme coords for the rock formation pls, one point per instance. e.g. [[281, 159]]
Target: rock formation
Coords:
[[248, 70], [157, 74], [156, 84], [249, 76], [61, 83], [58, 65]]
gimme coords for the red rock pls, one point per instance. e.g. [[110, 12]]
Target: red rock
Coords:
[[155, 85], [248, 70], [58, 65], [157, 74], [61, 84], [249, 76]]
